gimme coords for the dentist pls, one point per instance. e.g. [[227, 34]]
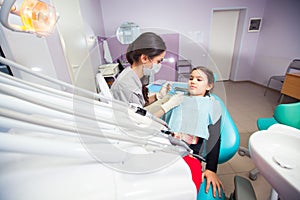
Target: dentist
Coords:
[[145, 55]]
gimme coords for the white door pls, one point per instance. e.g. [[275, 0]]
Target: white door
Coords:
[[222, 41]]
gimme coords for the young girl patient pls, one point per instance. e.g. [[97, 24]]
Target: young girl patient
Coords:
[[197, 121]]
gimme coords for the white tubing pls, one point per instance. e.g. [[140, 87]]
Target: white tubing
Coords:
[[163, 146], [83, 130], [105, 115], [40, 146], [63, 103], [47, 78], [76, 90], [118, 106], [6, 79]]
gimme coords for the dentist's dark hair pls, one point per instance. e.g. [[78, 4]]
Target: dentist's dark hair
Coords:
[[148, 43]]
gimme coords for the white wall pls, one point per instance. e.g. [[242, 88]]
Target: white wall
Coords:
[[92, 14], [32, 51], [72, 30], [66, 54]]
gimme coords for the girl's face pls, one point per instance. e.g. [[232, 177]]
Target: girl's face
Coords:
[[198, 83]]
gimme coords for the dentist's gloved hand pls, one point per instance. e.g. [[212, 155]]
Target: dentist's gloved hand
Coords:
[[164, 90], [173, 102]]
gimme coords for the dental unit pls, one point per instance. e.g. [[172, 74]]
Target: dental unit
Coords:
[[89, 144], [44, 125]]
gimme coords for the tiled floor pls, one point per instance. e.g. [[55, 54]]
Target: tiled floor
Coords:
[[246, 102]]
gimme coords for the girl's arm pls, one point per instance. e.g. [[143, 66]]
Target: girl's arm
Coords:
[[212, 157]]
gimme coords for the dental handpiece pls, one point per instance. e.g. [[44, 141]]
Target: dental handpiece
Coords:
[[181, 143], [145, 113], [180, 89]]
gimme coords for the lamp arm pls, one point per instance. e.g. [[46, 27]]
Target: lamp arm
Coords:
[[6, 6]]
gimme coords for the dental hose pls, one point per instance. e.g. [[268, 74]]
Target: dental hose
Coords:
[[175, 141]]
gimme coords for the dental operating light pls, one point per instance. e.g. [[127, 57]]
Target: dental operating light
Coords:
[[37, 17]]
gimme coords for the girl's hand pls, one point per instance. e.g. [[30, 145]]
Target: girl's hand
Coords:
[[212, 178]]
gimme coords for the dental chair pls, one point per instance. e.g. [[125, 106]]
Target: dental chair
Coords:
[[287, 114], [230, 141]]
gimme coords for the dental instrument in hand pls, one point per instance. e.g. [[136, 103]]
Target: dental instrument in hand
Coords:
[[180, 89], [144, 112], [181, 143]]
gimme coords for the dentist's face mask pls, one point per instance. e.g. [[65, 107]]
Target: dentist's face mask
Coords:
[[155, 68], [148, 71]]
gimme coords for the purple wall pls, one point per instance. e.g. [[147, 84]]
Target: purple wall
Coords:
[[91, 11], [279, 40], [167, 71], [260, 54], [185, 18]]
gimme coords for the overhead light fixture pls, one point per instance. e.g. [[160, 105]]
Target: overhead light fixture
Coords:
[[37, 17], [170, 60]]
